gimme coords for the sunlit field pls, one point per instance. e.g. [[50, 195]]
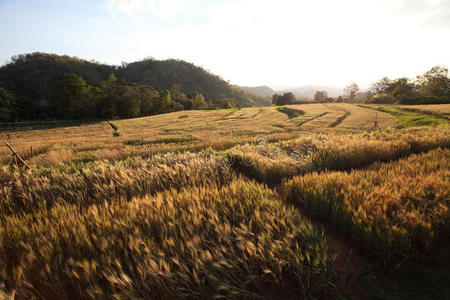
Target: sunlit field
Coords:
[[436, 109], [301, 201], [187, 130]]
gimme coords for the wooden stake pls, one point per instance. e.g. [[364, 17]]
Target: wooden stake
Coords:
[[17, 156], [375, 125]]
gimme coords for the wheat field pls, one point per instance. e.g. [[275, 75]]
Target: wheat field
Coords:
[[187, 130], [226, 204]]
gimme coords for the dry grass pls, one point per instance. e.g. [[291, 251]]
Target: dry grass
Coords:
[[271, 163], [110, 154], [220, 130], [236, 241], [104, 181], [398, 210], [52, 158], [160, 212]]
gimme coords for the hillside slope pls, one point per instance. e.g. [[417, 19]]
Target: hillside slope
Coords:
[[34, 75], [161, 74]]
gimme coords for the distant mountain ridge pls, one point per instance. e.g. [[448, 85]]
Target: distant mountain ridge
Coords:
[[262, 90], [308, 91], [301, 92], [34, 75]]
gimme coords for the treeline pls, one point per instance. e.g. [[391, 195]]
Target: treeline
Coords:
[[74, 99], [290, 98], [433, 87], [42, 86]]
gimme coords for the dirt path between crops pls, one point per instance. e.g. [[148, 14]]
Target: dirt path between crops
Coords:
[[345, 253], [312, 119]]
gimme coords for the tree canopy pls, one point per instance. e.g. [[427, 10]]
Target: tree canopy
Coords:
[[49, 86], [286, 98], [432, 87], [320, 96]]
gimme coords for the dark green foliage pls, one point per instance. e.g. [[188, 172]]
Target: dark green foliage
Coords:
[[433, 87], [286, 98], [402, 88], [70, 97], [33, 75], [435, 82], [192, 79], [48, 86], [417, 100], [6, 102]]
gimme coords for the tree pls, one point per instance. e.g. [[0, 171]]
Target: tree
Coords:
[[70, 89], [286, 98], [382, 86], [199, 102], [164, 102], [402, 88], [6, 104], [435, 82], [351, 91], [320, 96], [339, 99], [189, 104], [175, 92], [80, 107], [228, 103], [26, 109], [147, 98], [275, 99], [128, 107]]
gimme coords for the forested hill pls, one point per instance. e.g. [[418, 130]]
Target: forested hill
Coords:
[[162, 74], [35, 75]]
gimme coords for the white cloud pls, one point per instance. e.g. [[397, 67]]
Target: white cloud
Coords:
[[292, 42], [160, 8]]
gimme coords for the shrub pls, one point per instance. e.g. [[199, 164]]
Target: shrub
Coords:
[[425, 100], [381, 99]]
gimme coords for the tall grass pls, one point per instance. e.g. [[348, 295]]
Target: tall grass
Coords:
[[98, 183], [235, 241], [274, 162], [398, 210]]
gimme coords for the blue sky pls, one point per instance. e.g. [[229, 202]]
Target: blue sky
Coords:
[[248, 42]]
